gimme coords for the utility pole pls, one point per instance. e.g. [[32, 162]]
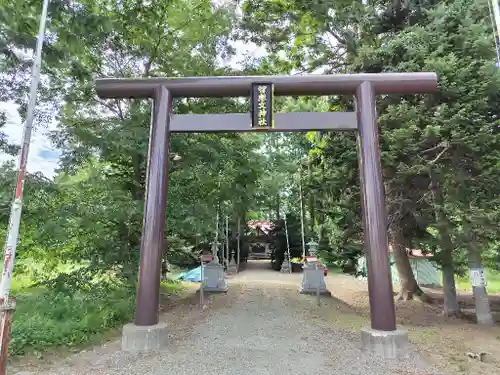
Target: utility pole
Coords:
[[239, 245], [496, 17], [8, 305], [302, 216], [215, 247], [226, 255], [495, 20]]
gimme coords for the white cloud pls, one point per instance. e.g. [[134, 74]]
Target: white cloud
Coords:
[[42, 157], [244, 51]]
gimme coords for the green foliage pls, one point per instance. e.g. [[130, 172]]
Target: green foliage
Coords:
[[47, 318], [279, 240], [451, 135], [55, 318], [80, 233]]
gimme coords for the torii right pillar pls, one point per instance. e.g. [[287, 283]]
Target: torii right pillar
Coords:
[[382, 339]]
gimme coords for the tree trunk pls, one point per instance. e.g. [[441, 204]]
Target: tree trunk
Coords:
[[241, 232], [137, 183], [164, 266], [449, 289], [483, 312], [450, 307], [408, 283]]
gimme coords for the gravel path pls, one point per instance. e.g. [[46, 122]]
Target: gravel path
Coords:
[[258, 328]]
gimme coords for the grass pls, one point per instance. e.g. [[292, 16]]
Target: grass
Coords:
[[441, 341], [332, 269], [47, 319], [492, 282]]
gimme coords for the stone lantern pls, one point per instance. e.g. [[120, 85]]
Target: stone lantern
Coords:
[[213, 273], [313, 247], [313, 277]]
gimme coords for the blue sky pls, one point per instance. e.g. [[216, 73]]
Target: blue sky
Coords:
[[43, 156]]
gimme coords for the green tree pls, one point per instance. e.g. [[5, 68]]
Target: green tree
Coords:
[[446, 141]]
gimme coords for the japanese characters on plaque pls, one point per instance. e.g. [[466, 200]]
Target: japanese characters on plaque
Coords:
[[262, 105]]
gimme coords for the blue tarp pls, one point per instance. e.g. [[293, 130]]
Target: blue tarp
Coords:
[[194, 275]]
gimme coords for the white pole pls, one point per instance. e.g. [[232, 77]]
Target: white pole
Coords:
[[239, 245], [302, 218], [15, 213], [226, 256], [202, 286], [288, 247], [317, 286], [496, 16], [495, 20], [17, 204], [215, 248]]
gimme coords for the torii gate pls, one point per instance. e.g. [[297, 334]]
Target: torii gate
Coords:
[[146, 332]]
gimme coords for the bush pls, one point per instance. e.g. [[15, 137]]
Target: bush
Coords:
[[46, 318]]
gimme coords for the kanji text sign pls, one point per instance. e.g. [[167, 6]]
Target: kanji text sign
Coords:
[[262, 105]]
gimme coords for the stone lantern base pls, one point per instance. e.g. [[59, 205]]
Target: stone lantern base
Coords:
[[314, 278], [213, 278]]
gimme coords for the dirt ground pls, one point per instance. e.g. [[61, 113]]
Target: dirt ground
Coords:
[[444, 342]]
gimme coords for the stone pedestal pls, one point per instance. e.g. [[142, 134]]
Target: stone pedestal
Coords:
[[385, 344], [137, 339], [312, 278], [286, 266], [213, 278], [232, 268]]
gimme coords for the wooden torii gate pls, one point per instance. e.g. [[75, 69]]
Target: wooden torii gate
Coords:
[[364, 87]]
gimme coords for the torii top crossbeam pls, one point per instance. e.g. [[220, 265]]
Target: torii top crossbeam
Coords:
[[238, 86]]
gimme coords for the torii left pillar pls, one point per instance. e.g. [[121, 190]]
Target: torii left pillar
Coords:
[[147, 333]]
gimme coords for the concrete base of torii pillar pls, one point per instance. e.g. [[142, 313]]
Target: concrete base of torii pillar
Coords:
[[313, 278], [213, 278]]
